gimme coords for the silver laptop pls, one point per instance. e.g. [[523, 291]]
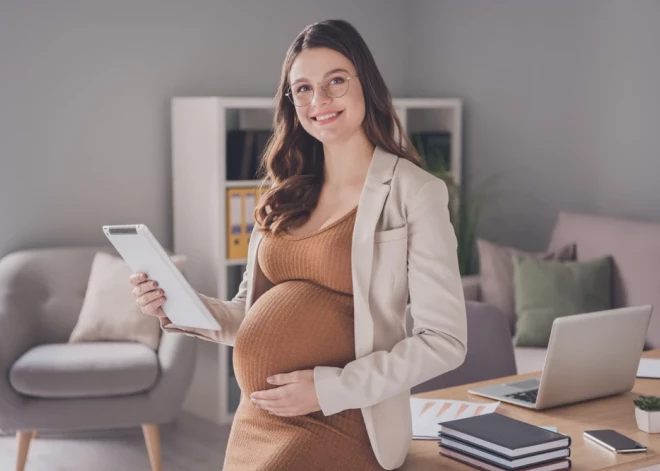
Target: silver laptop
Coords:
[[589, 356]]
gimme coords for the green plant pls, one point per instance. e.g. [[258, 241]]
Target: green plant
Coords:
[[648, 403], [464, 209]]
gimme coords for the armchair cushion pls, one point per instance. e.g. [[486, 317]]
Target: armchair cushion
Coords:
[[91, 369], [109, 311], [496, 270], [547, 289]]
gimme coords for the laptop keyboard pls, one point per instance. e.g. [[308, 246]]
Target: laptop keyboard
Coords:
[[525, 396]]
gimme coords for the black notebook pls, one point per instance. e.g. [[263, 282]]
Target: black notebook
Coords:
[[503, 435], [501, 461], [475, 463]]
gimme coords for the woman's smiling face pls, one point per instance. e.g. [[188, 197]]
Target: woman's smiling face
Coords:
[[322, 66]]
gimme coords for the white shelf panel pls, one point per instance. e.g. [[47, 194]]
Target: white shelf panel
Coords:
[[450, 103], [244, 183], [231, 102]]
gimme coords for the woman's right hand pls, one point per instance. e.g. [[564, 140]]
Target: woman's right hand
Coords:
[[149, 297]]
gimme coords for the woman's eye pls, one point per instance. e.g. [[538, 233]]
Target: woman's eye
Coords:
[[338, 80], [302, 88]]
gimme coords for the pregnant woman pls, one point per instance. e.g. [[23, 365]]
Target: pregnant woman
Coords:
[[352, 228]]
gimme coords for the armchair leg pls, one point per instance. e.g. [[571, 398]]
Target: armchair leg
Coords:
[[23, 439], [152, 439]]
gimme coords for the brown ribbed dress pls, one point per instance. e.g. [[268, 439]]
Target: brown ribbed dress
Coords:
[[305, 320]]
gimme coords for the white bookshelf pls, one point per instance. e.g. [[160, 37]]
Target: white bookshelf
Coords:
[[199, 127]]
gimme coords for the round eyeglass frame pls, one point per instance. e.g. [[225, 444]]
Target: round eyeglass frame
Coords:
[[324, 88]]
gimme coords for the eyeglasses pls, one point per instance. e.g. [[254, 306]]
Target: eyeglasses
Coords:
[[335, 86]]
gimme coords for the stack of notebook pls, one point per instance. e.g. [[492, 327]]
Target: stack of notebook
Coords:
[[495, 442]]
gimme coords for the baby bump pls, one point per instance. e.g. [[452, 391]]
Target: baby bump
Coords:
[[296, 325]]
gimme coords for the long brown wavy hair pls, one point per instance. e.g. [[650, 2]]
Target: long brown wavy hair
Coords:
[[293, 159]]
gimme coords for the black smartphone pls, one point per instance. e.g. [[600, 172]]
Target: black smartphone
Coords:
[[614, 441]]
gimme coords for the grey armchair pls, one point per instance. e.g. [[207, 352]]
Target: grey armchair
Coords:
[[45, 386], [489, 353]]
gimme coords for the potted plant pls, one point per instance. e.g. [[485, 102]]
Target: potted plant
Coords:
[[647, 413]]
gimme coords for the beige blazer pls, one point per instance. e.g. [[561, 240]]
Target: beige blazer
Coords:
[[402, 242]]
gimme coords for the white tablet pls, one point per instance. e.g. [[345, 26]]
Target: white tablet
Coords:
[[143, 253]]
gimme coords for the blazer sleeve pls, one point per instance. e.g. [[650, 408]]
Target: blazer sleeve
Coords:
[[438, 343]]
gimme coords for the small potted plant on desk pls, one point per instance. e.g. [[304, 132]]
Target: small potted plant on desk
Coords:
[[647, 413]]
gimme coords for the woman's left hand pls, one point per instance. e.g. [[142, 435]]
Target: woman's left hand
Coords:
[[296, 395]]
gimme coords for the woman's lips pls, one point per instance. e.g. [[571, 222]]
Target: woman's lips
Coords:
[[328, 121]]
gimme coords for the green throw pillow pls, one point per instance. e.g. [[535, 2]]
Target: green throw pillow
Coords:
[[547, 289]]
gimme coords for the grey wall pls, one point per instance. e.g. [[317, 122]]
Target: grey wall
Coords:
[[85, 89], [561, 101], [562, 104]]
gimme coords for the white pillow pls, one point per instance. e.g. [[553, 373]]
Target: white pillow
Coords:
[[109, 311]]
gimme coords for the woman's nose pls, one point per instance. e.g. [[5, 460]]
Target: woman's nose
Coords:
[[320, 97]]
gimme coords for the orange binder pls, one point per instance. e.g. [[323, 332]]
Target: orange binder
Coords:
[[241, 203], [236, 247], [249, 203]]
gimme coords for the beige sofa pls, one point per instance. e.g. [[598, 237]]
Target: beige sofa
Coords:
[[635, 248]]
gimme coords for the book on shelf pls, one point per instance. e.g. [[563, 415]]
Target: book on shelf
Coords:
[[244, 151], [503, 435], [479, 464], [234, 153], [247, 156], [502, 461], [261, 140]]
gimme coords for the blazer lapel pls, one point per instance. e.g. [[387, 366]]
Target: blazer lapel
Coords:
[[372, 199]]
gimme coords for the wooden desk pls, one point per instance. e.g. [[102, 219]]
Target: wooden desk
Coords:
[[616, 412]]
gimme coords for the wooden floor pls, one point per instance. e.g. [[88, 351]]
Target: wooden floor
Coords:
[[188, 444]]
